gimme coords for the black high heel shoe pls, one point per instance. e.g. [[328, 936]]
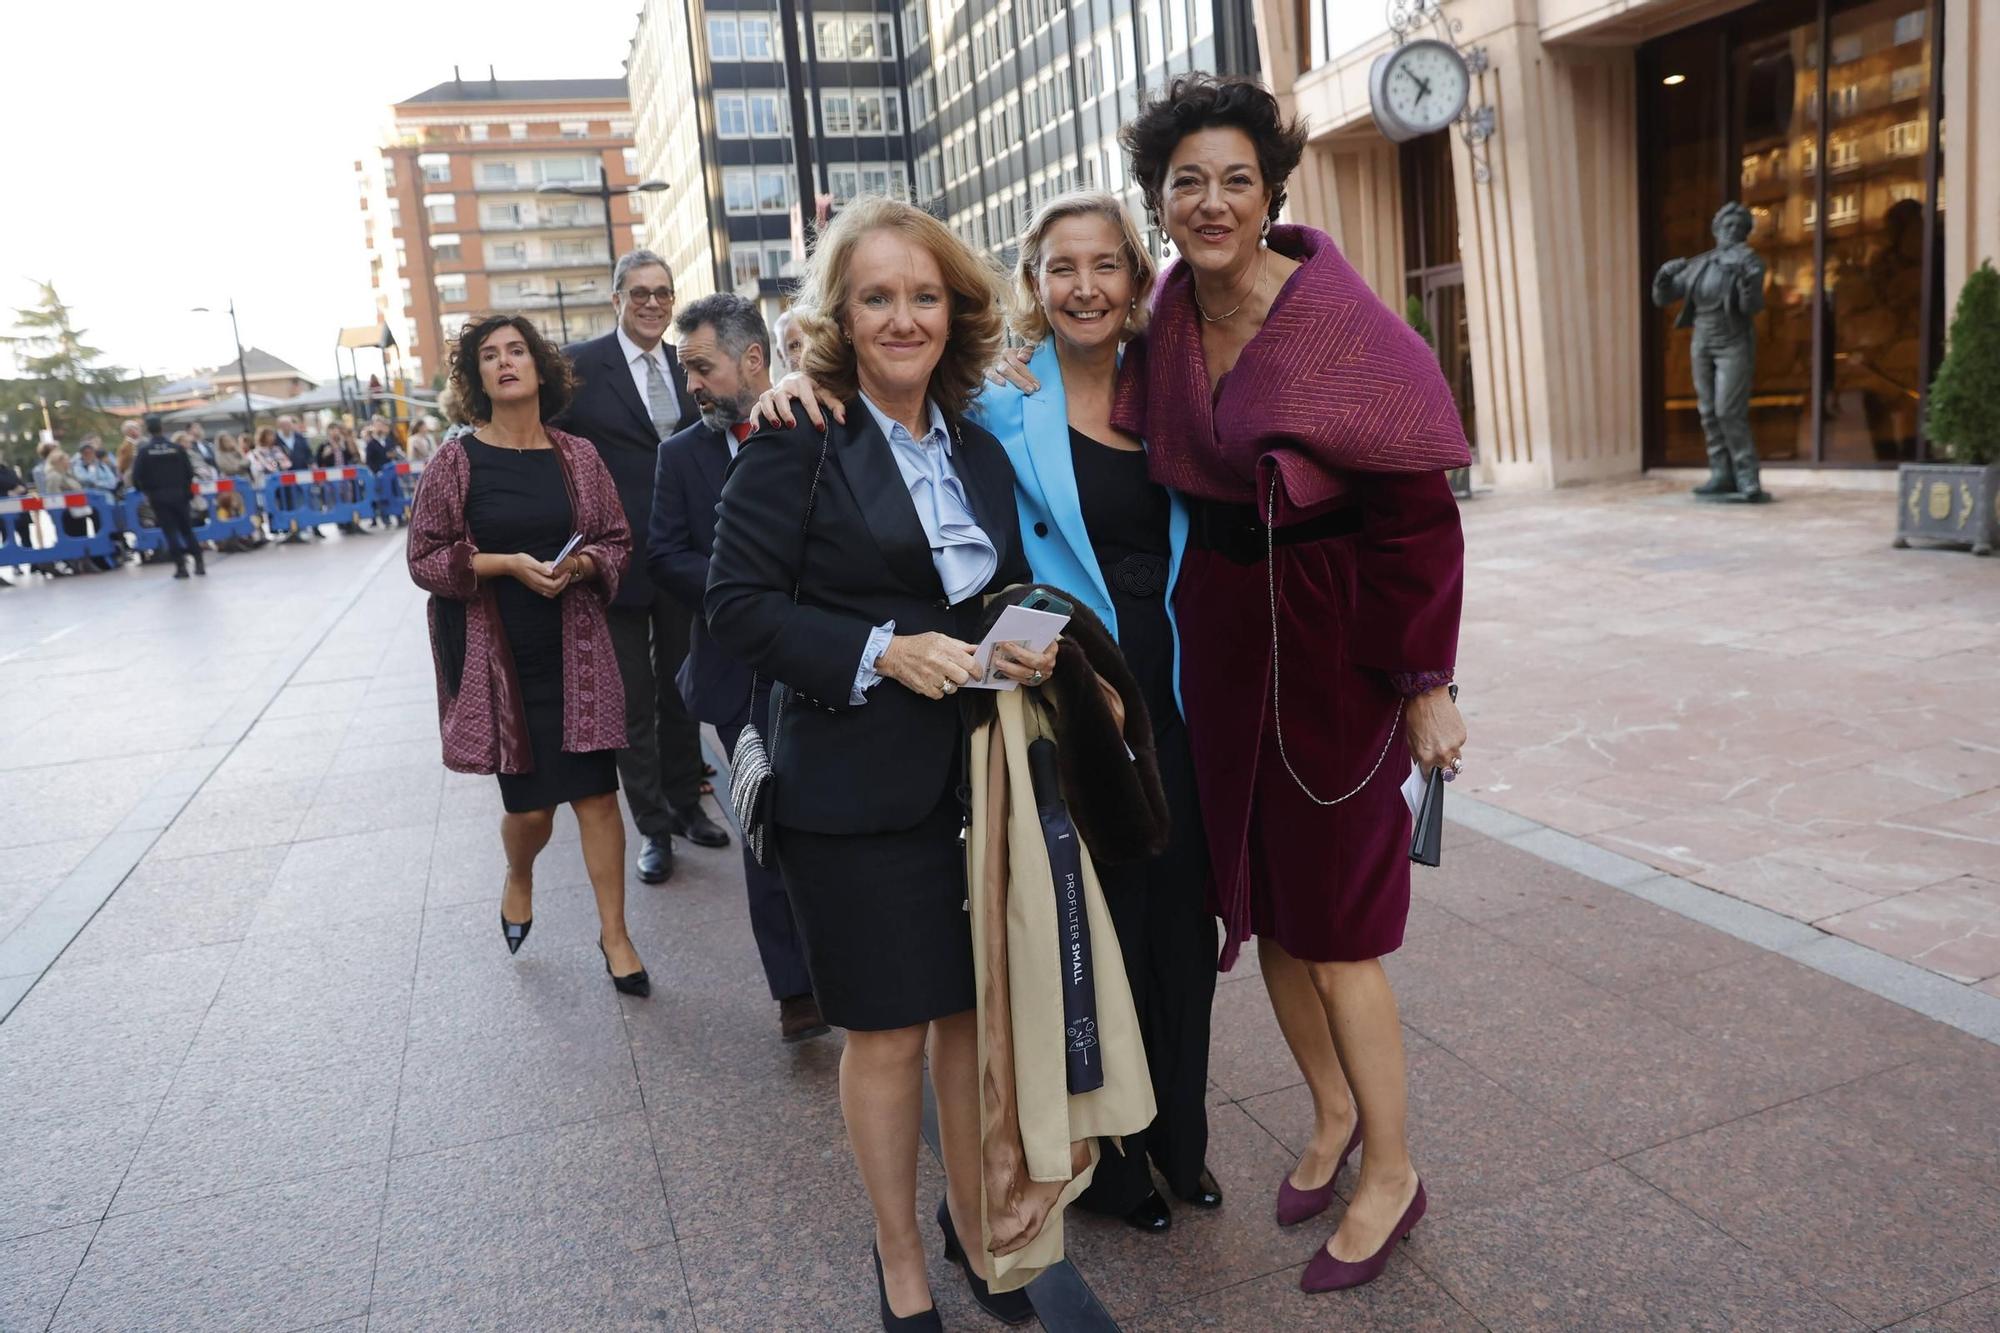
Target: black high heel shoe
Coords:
[[515, 932], [923, 1321], [632, 983], [1009, 1307]]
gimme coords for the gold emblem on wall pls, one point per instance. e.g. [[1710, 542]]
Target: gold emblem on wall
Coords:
[[1940, 500], [1965, 495], [1916, 494]]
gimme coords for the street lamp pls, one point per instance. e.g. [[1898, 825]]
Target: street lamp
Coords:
[[242, 370], [48, 426], [605, 191]]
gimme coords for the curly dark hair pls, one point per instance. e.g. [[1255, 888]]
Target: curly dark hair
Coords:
[[1198, 101], [551, 367]]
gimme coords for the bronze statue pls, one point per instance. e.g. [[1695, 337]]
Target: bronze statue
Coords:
[[1723, 290]]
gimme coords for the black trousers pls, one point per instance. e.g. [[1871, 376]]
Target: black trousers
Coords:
[[660, 766], [176, 525], [771, 923], [1168, 940]]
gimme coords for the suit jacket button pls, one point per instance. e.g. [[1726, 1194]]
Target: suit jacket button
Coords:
[[943, 604], [1041, 529]]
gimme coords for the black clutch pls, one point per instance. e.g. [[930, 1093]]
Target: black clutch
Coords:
[[1427, 829]]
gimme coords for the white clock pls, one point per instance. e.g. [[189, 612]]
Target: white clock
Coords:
[[1418, 88]]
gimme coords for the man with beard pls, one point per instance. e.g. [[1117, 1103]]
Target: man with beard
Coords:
[[726, 352]]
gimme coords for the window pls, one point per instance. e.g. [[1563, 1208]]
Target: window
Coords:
[[774, 189], [868, 113], [444, 250], [1809, 156], [732, 121], [875, 180], [756, 38], [575, 250], [722, 38], [1906, 139], [830, 38], [507, 252], [517, 129], [1910, 27], [836, 113], [767, 117], [477, 133], [928, 186], [1843, 207], [451, 288], [843, 183], [1843, 154], [1844, 98], [778, 261], [496, 173], [442, 209], [564, 170], [1907, 82], [575, 129], [436, 168], [739, 190], [746, 264], [916, 23]]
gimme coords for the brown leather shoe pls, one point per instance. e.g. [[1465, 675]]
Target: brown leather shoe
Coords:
[[799, 1019]]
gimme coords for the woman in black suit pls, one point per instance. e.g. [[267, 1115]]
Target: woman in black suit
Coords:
[[912, 522]]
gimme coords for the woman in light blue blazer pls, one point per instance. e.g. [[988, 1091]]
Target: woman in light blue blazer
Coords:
[[1096, 526]]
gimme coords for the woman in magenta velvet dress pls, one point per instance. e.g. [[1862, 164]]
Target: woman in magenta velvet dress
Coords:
[[1319, 605]]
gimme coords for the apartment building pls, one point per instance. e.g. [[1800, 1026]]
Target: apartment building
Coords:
[[459, 224]]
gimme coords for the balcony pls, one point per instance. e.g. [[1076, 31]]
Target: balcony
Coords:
[[572, 302], [564, 263], [541, 221]]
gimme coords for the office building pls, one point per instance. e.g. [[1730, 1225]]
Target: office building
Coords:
[[458, 225], [1857, 132]]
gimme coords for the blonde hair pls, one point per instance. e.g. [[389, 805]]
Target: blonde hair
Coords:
[[1031, 322], [977, 325]]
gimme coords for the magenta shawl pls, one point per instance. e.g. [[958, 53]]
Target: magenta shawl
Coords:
[[1334, 382]]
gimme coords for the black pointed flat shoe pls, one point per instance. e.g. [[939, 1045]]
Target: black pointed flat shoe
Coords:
[[632, 983], [1150, 1214], [515, 932], [1207, 1194]]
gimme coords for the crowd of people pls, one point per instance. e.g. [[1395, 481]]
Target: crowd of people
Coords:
[[142, 465], [1235, 470]]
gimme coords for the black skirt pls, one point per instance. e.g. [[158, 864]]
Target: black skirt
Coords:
[[516, 501], [887, 936]]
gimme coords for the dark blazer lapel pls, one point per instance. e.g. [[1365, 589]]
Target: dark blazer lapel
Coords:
[[884, 500], [975, 456]]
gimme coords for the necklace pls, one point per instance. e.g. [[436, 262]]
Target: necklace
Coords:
[[1255, 284]]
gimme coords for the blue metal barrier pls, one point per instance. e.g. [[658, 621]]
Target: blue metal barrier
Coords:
[[394, 487], [19, 519], [319, 495], [146, 536]]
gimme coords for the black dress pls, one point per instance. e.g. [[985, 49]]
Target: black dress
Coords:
[[517, 500], [1160, 907]]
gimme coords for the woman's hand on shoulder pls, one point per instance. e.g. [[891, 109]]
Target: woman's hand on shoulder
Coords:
[[1012, 368], [775, 406]]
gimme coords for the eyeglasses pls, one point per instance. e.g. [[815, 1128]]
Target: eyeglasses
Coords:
[[648, 295]]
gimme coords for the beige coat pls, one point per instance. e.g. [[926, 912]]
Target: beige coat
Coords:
[[1038, 1143]]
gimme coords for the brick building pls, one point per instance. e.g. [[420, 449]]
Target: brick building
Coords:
[[457, 225]]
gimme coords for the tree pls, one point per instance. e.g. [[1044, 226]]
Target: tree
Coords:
[[1965, 396], [60, 365], [1413, 314]]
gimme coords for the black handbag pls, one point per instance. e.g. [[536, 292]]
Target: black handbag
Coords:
[[753, 783], [1427, 829]]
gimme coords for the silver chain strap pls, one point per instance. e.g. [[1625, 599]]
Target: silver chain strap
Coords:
[[1277, 713]]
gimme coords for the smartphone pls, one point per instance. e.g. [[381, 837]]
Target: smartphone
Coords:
[[1041, 599]]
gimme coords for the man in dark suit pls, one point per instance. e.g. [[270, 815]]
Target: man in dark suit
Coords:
[[726, 351], [631, 394]]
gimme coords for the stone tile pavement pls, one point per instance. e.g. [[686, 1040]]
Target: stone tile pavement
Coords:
[[284, 1076]]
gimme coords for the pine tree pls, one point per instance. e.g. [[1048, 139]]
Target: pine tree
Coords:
[[1965, 396], [54, 356]]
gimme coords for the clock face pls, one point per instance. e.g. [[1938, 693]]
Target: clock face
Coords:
[[1424, 86]]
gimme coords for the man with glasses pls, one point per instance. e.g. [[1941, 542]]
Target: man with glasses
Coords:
[[631, 394]]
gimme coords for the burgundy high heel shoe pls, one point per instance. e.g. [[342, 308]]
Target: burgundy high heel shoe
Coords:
[[1296, 1205], [1326, 1273]]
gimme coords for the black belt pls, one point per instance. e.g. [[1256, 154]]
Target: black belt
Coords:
[[1236, 533]]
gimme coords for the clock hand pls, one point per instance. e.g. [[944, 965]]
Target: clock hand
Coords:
[[1423, 88]]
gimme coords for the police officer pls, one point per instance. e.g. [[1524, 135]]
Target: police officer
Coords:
[[163, 470]]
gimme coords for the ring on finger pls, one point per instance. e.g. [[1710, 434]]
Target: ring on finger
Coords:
[[948, 688]]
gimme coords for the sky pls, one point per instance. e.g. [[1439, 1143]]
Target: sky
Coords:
[[166, 156]]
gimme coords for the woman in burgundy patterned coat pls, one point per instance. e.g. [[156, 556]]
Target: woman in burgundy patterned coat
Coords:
[[528, 688]]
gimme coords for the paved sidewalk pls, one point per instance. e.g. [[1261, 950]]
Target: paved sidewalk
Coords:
[[287, 1076]]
